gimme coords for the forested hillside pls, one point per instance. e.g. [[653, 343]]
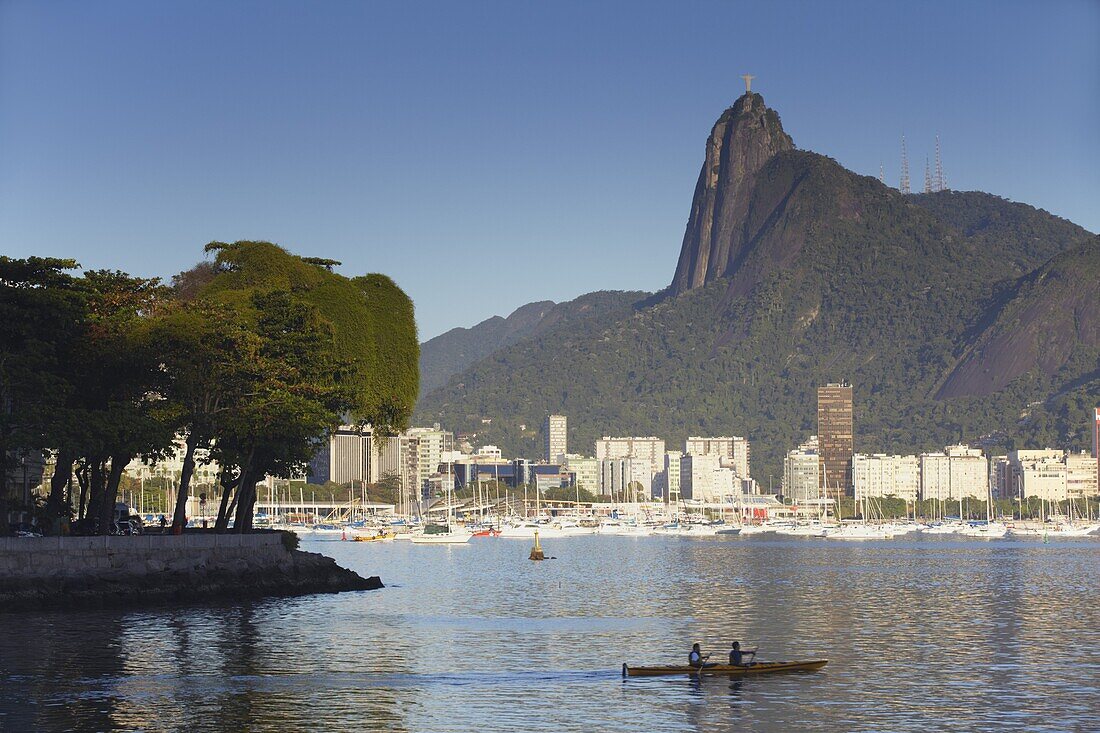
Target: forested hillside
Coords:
[[453, 351]]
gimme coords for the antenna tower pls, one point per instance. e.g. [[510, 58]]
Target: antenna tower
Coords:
[[927, 176], [881, 174], [941, 182], [904, 187]]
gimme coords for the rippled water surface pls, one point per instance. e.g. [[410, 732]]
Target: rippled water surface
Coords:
[[933, 634]]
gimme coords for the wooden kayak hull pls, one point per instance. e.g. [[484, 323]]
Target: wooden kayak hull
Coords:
[[725, 670]]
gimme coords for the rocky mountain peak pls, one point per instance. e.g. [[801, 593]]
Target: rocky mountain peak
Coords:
[[743, 139]]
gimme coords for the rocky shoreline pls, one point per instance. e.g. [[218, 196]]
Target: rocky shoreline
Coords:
[[112, 572]]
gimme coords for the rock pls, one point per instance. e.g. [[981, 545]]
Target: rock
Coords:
[[744, 138]]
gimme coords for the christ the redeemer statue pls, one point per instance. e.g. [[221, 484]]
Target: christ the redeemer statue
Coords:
[[748, 82]]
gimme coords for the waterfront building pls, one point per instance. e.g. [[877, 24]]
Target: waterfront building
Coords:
[[650, 449], [697, 476], [170, 467], [1080, 475], [554, 438], [1043, 477], [628, 477], [413, 457], [585, 471], [346, 458], [834, 433], [733, 451], [958, 472], [542, 480], [801, 472], [671, 488], [472, 472], [881, 475], [428, 446], [1000, 478]]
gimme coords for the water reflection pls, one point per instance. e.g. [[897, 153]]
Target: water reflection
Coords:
[[922, 634]]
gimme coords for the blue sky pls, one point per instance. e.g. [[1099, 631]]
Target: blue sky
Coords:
[[486, 155]]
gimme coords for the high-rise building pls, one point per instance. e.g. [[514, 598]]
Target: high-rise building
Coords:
[[347, 458], [672, 488], [586, 471], [732, 451], [697, 476], [650, 449], [554, 438], [626, 479], [960, 471], [802, 471], [1081, 479], [834, 434], [882, 475]]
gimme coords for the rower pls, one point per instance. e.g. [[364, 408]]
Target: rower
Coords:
[[737, 657], [696, 658]]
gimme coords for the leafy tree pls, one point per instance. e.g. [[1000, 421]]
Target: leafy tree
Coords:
[[331, 349], [208, 357], [42, 313], [117, 404]]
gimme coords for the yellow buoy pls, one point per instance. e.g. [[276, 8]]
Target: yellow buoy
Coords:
[[536, 551]]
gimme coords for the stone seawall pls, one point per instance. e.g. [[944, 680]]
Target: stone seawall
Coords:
[[61, 572]]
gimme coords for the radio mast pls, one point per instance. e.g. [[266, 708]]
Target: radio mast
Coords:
[[904, 187]]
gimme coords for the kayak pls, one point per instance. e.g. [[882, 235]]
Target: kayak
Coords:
[[728, 670]]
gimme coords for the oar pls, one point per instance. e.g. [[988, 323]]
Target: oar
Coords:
[[702, 665]]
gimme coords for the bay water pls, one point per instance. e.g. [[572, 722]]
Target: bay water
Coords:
[[921, 634]]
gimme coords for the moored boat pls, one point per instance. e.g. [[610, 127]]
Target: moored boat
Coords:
[[725, 670]]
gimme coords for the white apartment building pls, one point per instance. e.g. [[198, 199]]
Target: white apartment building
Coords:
[[709, 480], [1081, 475], [732, 450], [413, 457], [959, 471], [622, 477], [801, 469], [1046, 473], [650, 449], [554, 438], [881, 475], [171, 466], [489, 452], [586, 470]]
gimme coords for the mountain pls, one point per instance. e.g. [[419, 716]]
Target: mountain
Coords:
[[742, 141], [453, 351], [1046, 323], [795, 272]]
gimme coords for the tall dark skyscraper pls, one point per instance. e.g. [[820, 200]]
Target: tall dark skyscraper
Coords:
[[834, 435]]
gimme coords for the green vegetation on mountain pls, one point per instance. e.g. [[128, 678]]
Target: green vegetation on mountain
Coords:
[[834, 277], [451, 352]]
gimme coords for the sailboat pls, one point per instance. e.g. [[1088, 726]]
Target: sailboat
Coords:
[[450, 533], [862, 530], [989, 529]]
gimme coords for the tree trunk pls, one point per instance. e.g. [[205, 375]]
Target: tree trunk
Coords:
[[95, 494], [82, 481], [56, 505], [179, 518], [228, 484], [110, 493], [246, 503]]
